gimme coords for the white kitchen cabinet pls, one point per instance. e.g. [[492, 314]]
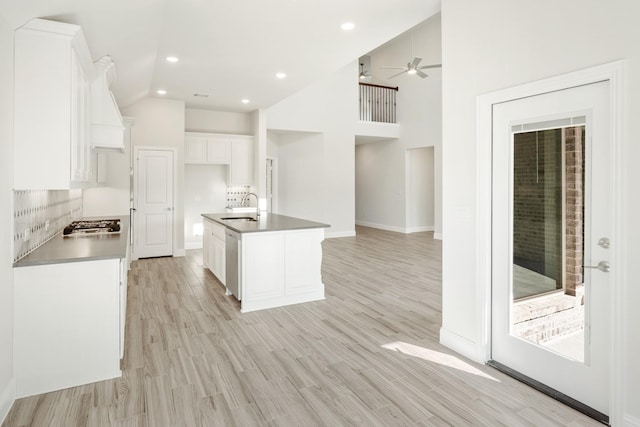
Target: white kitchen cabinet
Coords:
[[195, 148], [281, 268], [207, 148], [68, 324], [206, 239], [124, 272], [213, 245], [52, 100], [218, 150], [241, 170]]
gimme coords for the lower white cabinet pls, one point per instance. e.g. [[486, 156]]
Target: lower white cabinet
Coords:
[[213, 249], [206, 241], [281, 268], [68, 324]]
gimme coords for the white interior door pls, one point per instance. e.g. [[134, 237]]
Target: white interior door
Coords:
[[550, 214], [154, 203]]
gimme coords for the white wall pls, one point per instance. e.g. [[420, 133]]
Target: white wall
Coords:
[[301, 175], [420, 189], [395, 187], [160, 123], [7, 385], [497, 44], [384, 201], [197, 120], [329, 107], [205, 191], [112, 196], [380, 185]]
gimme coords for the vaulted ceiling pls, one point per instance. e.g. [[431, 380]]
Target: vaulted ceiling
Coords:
[[227, 49]]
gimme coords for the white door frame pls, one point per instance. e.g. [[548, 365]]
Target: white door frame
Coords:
[[274, 183], [136, 154], [613, 72]]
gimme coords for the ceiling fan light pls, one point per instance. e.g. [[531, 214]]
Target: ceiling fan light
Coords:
[[411, 71]]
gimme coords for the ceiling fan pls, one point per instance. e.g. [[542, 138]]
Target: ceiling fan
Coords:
[[363, 74], [413, 66]]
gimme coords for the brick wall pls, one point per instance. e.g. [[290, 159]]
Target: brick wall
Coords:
[[574, 244], [537, 203]]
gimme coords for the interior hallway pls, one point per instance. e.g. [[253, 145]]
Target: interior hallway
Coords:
[[367, 355]]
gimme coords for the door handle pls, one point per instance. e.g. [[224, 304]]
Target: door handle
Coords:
[[168, 209], [602, 266]]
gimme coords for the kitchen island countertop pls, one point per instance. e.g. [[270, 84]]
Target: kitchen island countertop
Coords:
[[60, 249], [267, 222]]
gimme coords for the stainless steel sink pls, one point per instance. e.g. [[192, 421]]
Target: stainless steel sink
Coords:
[[239, 218]]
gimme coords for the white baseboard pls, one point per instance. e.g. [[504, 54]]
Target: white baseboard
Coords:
[[179, 252], [334, 234], [381, 226], [419, 229], [193, 245], [7, 397], [404, 230], [630, 421], [437, 236], [460, 345]]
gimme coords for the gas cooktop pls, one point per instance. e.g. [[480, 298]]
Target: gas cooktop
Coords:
[[92, 227]]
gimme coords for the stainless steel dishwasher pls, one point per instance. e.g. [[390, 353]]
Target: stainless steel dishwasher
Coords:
[[232, 262]]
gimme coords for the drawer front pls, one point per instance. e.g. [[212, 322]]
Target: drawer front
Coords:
[[217, 231]]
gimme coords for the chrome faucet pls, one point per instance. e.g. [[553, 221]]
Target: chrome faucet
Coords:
[[246, 196]]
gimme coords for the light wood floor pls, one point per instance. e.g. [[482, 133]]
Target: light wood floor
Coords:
[[367, 355]]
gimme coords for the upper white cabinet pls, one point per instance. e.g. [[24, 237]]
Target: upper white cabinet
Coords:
[[53, 75], [237, 151], [195, 148], [241, 170], [207, 148]]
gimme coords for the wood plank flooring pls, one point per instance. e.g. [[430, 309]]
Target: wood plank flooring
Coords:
[[367, 355]]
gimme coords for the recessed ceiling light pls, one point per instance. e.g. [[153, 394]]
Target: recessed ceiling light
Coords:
[[348, 26], [172, 59], [281, 75], [201, 95], [161, 92], [245, 101]]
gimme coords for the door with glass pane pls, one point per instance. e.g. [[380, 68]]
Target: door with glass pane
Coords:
[[551, 223]]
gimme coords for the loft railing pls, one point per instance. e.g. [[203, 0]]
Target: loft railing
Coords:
[[377, 103]]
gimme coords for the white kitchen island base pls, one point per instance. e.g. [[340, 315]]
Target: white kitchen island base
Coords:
[[280, 268]]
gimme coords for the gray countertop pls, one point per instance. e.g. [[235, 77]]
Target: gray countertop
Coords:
[[62, 249], [267, 222]]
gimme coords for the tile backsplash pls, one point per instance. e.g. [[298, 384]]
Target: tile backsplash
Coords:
[[235, 195], [43, 213]]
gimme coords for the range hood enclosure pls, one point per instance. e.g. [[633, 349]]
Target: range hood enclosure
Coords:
[[107, 129]]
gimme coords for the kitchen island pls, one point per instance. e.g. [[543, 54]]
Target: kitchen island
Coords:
[[273, 261]]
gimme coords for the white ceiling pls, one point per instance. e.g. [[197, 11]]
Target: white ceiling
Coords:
[[228, 49]]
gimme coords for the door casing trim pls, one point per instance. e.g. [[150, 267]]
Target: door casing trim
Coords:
[[613, 72]]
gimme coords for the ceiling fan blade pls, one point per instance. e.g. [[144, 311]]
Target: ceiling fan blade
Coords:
[[421, 74], [396, 75], [393, 68], [424, 67], [415, 62]]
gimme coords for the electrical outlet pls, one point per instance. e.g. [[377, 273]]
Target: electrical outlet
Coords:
[[46, 225], [27, 234]]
